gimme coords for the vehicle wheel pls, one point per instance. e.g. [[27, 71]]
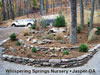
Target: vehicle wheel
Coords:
[[29, 25], [13, 25]]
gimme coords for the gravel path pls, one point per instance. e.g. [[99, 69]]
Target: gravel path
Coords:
[[93, 64]]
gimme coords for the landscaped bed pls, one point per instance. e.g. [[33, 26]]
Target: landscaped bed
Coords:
[[48, 53], [52, 42]]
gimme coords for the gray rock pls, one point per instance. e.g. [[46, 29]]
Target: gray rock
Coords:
[[47, 41], [62, 41], [54, 61], [57, 49], [53, 30], [37, 65], [62, 29], [21, 41], [65, 60], [4, 56], [31, 60], [25, 59], [34, 41], [65, 36], [53, 55], [63, 66], [11, 49], [1, 42], [25, 46], [2, 49], [82, 57], [31, 46], [41, 42], [31, 31], [46, 64], [28, 39]]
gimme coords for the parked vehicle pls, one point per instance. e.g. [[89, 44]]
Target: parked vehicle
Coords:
[[23, 22]]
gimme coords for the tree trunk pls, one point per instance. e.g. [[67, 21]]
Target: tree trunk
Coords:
[[66, 3], [92, 14], [3, 10], [81, 13], [11, 11], [73, 27], [98, 4], [46, 6], [7, 6], [85, 3], [41, 8]]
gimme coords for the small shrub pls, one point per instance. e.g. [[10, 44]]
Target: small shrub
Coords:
[[78, 29], [98, 31], [88, 22], [29, 55], [83, 48], [44, 23], [34, 49], [33, 26], [13, 36], [59, 21], [39, 37], [25, 34], [17, 43], [65, 52], [50, 36]]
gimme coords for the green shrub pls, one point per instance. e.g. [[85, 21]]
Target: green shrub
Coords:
[[33, 26], [65, 52], [25, 34], [50, 36], [98, 31], [88, 22], [58, 38], [13, 36], [34, 49], [44, 23], [17, 43], [59, 21], [78, 29], [83, 48]]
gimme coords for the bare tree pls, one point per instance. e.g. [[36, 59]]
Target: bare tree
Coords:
[[92, 14], [46, 6], [41, 8], [82, 13], [73, 27], [3, 10], [11, 10], [7, 7]]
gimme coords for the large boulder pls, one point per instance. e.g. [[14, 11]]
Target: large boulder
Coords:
[[56, 30], [92, 35]]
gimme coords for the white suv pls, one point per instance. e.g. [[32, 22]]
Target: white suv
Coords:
[[23, 22]]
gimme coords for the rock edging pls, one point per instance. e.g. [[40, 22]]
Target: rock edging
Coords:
[[63, 63]]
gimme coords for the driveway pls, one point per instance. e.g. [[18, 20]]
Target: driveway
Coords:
[[5, 32], [91, 68]]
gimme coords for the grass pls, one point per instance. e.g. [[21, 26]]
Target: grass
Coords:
[[59, 36]]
